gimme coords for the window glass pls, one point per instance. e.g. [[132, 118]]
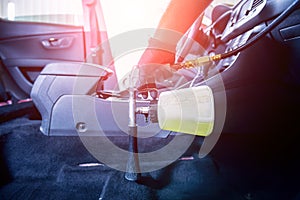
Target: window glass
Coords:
[[47, 11], [130, 15]]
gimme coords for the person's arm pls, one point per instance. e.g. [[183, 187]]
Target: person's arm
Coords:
[[177, 19], [180, 15]]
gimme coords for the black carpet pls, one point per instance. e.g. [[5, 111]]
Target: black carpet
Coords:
[[34, 166]]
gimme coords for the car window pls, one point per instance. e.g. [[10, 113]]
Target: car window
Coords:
[[68, 12]]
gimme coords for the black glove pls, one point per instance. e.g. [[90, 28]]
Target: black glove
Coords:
[[158, 77], [154, 70]]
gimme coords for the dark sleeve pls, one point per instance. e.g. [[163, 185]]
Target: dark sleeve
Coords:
[[178, 17]]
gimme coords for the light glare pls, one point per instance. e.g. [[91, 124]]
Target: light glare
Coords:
[[11, 10]]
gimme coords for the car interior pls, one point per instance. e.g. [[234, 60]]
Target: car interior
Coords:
[[229, 130]]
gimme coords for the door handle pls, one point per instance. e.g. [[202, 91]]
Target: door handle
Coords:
[[54, 41], [57, 43]]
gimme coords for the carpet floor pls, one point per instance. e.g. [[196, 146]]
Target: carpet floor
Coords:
[[34, 166]]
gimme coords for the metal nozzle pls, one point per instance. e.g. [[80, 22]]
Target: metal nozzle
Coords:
[[197, 62]]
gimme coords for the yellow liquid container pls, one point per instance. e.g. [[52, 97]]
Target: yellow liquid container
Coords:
[[189, 110]]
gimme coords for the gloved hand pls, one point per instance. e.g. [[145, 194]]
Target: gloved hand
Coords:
[[154, 70]]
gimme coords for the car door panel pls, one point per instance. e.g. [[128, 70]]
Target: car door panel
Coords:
[[25, 48]]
